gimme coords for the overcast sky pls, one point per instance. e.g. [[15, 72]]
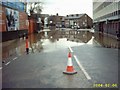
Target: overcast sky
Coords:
[[66, 7]]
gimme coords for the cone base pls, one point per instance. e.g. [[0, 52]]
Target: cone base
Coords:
[[70, 73]]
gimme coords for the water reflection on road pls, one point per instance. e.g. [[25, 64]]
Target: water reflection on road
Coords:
[[53, 40]]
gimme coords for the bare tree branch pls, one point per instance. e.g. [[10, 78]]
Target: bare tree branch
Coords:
[[36, 7]]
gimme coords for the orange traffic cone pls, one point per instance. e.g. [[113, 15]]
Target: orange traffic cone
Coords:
[[27, 47], [70, 70]]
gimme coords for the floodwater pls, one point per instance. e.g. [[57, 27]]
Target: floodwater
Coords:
[[50, 41]]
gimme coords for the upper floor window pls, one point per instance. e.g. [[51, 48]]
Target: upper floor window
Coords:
[[77, 15]]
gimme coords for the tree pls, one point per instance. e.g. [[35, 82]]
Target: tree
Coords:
[[35, 7]]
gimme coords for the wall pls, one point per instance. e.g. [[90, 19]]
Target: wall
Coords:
[[13, 23], [2, 19]]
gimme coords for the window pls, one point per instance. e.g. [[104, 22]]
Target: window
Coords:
[[119, 12], [77, 15], [116, 12], [113, 25], [117, 26]]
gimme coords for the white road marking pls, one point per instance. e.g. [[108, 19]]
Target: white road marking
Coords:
[[70, 49], [15, 58], [7, 63], [82, 68], [0, 68]]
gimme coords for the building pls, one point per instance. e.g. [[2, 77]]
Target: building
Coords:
[[78, 20], [106, 16], [57, 21], [60, 22], [14, 20], [40, 21]]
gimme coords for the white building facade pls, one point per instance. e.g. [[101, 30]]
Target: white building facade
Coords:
[[106, 16]]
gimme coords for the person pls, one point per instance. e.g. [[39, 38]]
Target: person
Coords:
[[27, 47]]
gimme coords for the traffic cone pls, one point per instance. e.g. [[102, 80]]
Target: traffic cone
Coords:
[[27, 47], [70, 70]]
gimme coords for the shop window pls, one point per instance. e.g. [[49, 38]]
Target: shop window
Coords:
[[119, 12], [116, 26], [112, 26], [116, 12]]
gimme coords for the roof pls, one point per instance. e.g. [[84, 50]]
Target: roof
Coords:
[[74, 16], [39, 15]]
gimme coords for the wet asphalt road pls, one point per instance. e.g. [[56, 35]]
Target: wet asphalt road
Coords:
[[43, 67]]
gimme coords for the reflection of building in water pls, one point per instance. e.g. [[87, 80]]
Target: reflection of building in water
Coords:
[[86, 36], [79, 36], [105, 41], [106, 16], [12, 48], [35, 42]]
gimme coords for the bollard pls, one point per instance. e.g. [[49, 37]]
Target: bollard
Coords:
[[27, 46]]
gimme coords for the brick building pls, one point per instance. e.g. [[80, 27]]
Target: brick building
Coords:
[[78, 20], [57, 21], [14, 20]]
